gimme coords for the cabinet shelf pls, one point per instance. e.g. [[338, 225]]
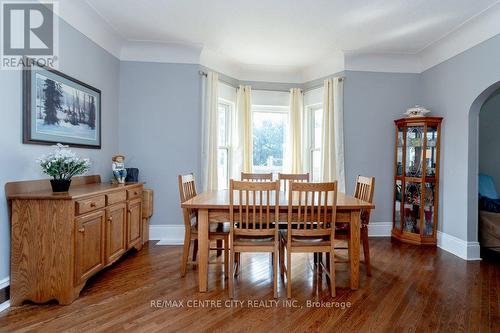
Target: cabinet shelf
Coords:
[[416, 180]]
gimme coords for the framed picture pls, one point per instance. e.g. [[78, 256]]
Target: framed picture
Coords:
[[59, 109]]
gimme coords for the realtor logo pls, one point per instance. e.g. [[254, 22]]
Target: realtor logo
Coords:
[[29, 28]]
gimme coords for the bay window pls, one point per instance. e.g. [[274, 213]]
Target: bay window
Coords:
[[224, 143], [269, 127]]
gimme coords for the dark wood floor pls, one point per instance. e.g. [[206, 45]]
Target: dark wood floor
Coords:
[[412, 289]]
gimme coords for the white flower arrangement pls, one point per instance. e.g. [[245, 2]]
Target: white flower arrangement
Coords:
[[63, 163]]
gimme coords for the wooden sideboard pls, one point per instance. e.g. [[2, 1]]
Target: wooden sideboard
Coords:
[[60, 240]]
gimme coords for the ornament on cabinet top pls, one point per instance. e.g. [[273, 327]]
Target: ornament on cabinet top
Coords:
[[417, 111]]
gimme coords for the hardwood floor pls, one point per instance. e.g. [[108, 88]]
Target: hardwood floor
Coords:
[[412, 289]]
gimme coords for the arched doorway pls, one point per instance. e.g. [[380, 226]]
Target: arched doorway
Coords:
[[473, 161]]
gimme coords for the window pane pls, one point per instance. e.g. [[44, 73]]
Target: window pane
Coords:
[[222, 125], [318, 122], [268, 141], [222, 168], [316, 165]]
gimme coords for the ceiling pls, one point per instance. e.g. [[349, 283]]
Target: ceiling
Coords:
[[293, 33]]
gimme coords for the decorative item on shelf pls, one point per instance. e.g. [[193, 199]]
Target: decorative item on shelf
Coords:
[[62, 164], [417, 111], [132, 175], [119, 170]]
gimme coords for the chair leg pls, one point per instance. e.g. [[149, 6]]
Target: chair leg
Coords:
[[275, 271], [238, 262], [282, 259], [320, 257], [226, 257], [195, 249], [288, 273], [366, 249], [231, 274], [332, 273], [185, 252], [219, 245], [328, 260], [315, 257]]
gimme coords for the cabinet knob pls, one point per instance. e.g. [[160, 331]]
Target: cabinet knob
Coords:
[[135, 192], [92, 204], [81, 230], [110, 219]]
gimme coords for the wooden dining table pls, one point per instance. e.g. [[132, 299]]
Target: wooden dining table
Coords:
[[213, 207]]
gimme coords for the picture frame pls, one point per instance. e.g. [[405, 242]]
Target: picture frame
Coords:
[[58, 108]]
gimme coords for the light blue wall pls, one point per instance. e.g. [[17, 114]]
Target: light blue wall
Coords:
[[489, 138], [372, 101], [160, 128], [85, 61], [450, 89]]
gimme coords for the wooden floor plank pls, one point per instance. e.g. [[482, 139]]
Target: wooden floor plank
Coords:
[[413, 288]]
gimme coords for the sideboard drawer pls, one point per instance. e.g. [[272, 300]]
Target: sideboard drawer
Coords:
[[90, 204], [116, 197], [134, 193]]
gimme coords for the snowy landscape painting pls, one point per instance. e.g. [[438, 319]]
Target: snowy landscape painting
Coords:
[[61, 109]]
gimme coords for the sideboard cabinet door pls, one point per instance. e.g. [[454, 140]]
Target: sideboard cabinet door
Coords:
[[134, 223], [89, 245], [116, 226]]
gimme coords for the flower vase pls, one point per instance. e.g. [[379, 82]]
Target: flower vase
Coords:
[[60, 185]]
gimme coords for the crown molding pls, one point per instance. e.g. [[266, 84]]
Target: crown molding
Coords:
[[476, 30], [383, 62], [160, 52], [83, 17]]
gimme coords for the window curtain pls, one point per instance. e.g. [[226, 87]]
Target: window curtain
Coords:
[[242, 133], [296, 116], [332, 135], [210, 88]]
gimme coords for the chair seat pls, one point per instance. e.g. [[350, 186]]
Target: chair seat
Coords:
[[305, 240], [340, 227], [214, 228], [253, 241]]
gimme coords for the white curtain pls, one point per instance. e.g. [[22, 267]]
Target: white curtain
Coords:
[[332, 135], [242, 133], [294, 154], [210, 131]]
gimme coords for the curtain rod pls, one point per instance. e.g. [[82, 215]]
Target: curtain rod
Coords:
[[341, 78]]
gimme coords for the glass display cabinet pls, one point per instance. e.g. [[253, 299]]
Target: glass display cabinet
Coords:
[[416, 180]]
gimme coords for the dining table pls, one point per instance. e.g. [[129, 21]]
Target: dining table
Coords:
[[213, 207]]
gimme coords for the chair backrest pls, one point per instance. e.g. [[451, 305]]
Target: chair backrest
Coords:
[[285, 178], [365, 187], [187, 190], [316, 209], [254, 208], [257, 177]]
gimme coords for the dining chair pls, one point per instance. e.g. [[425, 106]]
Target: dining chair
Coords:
[[253, 215], [314, 229], [285, 178], [257, 177], [217, 232], [364, 190]]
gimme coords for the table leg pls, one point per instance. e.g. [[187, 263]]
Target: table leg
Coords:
[[203, 249], [354, 248]]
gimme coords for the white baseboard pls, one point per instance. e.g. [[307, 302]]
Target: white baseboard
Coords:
[[460, 248], [174, 234], [167, 234], [4, 306], [4, 283], [379, 229]]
